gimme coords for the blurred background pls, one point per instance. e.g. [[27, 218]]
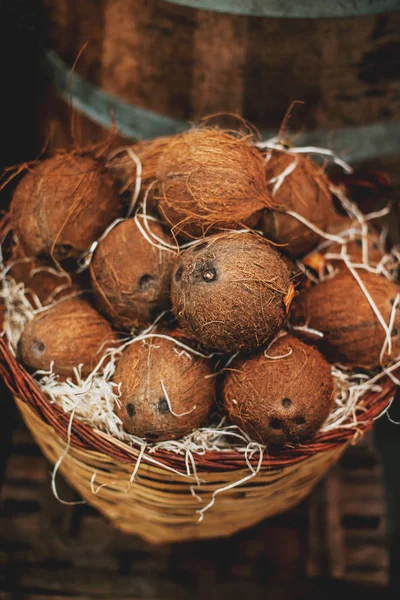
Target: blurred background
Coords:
[[70, 69]]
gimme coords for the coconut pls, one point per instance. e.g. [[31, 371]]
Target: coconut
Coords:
[[130, 276], [69, 333], [229, 291], [62, 205], [165, 393], [42, 278], [208, 180], [281, 396], [123, 168], [340, 310], [297, 184]]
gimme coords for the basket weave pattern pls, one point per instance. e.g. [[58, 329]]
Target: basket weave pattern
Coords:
[[159, 504]]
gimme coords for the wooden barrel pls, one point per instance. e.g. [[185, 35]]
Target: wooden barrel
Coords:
[[158, 65]]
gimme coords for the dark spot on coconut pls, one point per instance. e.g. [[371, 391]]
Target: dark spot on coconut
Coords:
[[286, 403], [299, 420], [64, 250], [275, 424], [359, 243], [130, 409], [395, 332], [38, 346], [163, 406], [209, 275], [146, 281], [199, 247], [154, 312], [152, 436], [178, 274]]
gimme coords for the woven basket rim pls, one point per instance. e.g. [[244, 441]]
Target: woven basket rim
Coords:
[[22, 385]]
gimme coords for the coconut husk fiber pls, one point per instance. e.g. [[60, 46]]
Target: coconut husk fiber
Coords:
[[354, 246], [69, 333], [131, 277], [165, 393], [123, 168], [229, 291], [42, 278], [305, 191], [209, 180], [62, 205], [280, 396], [339, 309]]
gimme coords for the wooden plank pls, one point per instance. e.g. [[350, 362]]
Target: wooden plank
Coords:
[[183, 62], [31, 468], [348, 523], [220, 51]]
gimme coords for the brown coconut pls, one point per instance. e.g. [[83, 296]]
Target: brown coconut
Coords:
[[304, 191], [62, 205], [282, 396], [339, 309], [42, 278], [123, 168], [209, 180], [131, 278], [69, 333], [229, 291], [142, 371]]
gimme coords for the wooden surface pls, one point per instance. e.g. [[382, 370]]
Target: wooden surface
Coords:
[[334, 542], [187, 63]]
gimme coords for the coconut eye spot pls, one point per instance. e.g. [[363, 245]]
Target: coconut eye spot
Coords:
[[146, 281], [275, 423], [286, 402], [38, 346], [64, 250], [131, 410], [178, 274], [395, 332], [209, 275], [163, 406], [299, 420]]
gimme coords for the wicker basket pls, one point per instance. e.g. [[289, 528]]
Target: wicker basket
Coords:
[[159, 505]]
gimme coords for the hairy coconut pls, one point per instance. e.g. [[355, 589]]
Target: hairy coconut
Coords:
[[229, 291], [131, 277], [69, 333], [123, 167], [165, 393], [303, 190], [62, 205], [42, 278], [339, 309], [282, 396], [208, 180]]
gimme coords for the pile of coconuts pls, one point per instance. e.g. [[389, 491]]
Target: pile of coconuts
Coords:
[[237, 260]]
